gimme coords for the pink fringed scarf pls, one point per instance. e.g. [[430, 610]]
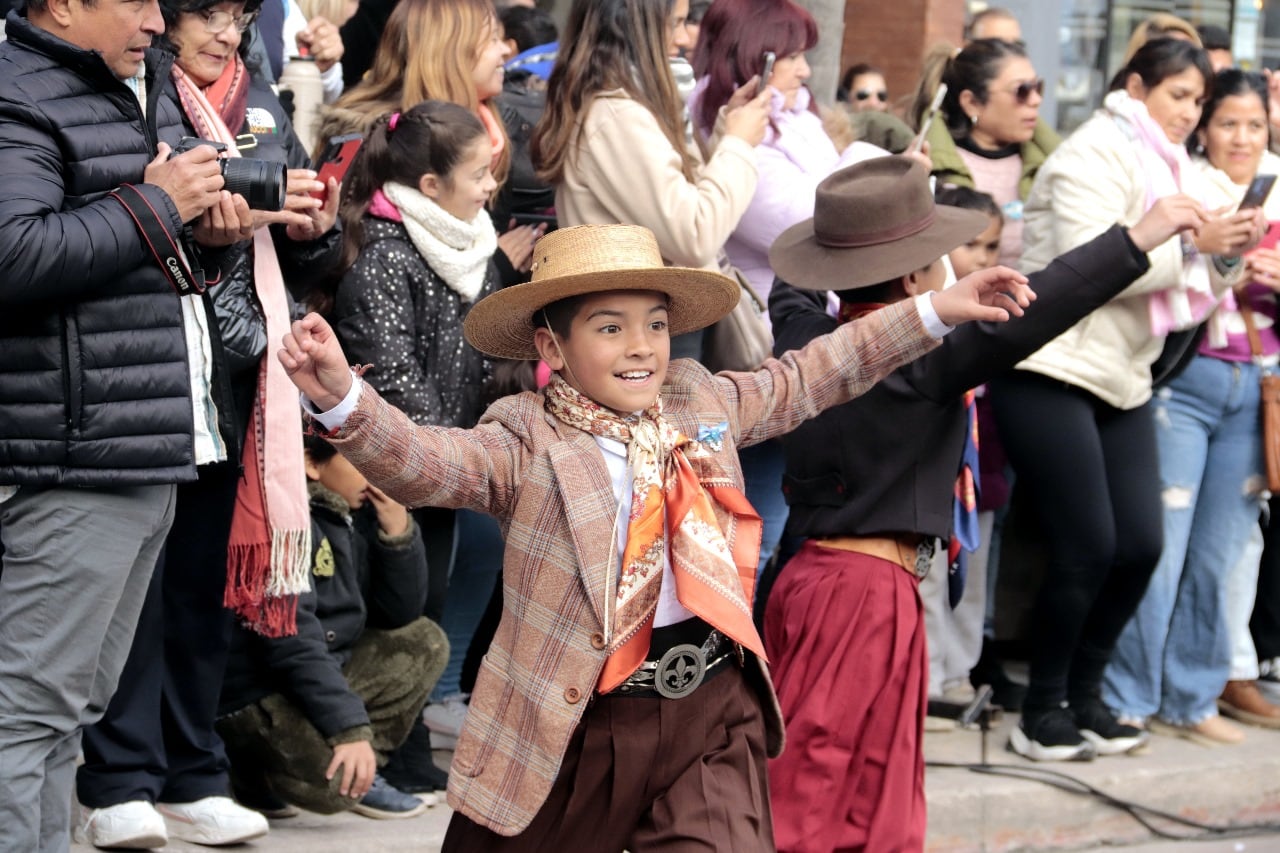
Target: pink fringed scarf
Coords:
[[269, 550]]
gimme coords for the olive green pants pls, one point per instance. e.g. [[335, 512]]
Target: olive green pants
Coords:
[[392, 671]]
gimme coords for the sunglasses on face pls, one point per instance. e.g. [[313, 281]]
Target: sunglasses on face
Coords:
[[864, 94], [1022, 93]]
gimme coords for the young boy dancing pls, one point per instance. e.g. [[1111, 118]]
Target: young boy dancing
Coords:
[[630, 548]]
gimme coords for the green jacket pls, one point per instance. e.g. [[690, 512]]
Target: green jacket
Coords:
[[950, 168]]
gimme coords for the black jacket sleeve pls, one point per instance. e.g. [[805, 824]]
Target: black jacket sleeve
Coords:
[[396, 591], [1075, 284]]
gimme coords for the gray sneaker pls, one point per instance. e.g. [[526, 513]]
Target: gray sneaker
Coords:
[[384, 802]]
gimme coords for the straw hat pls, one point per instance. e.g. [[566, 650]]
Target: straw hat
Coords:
[[872, 222], [595, 259]]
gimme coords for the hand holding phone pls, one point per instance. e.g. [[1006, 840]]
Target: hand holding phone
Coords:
[[336, 159], [1259, 189], [934, 106], [767, 71]]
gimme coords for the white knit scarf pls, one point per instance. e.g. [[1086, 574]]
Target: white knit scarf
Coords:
[[457, 251]]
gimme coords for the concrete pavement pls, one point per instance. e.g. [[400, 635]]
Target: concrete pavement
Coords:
[[968, 812]]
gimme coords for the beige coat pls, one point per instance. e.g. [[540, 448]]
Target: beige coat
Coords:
[[1091, 182], [624, 170], [548, 486]]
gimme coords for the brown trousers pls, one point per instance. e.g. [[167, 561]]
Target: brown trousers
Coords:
[[647, 774]]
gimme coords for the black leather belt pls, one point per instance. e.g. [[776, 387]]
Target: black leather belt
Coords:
[[676, 665]]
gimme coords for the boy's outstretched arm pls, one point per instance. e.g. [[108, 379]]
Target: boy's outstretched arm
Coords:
[[991, 295], [314, 361]]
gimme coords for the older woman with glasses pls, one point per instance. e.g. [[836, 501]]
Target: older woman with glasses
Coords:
[[154, 758]]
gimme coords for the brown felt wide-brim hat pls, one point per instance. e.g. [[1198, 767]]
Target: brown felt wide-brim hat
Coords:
[[872, 222], [596, 259]]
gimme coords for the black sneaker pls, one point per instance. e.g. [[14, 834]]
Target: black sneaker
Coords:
[[387, 803], [1050, 736], [411, 767], [1100, 727], [1269, 679]]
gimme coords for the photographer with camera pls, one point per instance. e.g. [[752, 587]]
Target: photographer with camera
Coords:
[[97, 399], [154, 766]]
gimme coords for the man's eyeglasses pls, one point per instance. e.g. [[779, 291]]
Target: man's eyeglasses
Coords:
[[864, 94], [1022, 93], [217, 21]]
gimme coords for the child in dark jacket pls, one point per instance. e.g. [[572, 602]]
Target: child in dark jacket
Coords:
[[307, 719]]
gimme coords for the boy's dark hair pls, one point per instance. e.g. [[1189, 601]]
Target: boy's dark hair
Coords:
[[528, 27], [1214, 37], [968, 199], [318, 450], [558, 316]]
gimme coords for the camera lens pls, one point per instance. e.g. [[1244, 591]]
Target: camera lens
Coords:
[[261, 182]]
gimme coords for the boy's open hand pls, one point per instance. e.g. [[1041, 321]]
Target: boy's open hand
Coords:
[[313, 359], [358, 765], [991, 294]]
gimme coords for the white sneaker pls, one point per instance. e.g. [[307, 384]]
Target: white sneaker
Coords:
[[213, 821], [444, 720], [135, 825]]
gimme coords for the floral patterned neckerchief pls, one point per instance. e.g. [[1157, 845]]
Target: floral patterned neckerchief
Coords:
[[667, 497]]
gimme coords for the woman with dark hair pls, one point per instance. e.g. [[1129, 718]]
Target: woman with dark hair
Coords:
[[1076, 417], [1174, 657], [241, 529], [863, 88], [988, 135], [613, 141]]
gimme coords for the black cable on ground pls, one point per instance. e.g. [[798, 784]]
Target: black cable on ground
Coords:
[[1137, 811]]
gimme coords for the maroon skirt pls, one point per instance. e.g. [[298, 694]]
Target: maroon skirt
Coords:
[[846, 643]]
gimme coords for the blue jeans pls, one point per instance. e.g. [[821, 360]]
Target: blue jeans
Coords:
[[477, 565], [762, 468], [1173, 657]]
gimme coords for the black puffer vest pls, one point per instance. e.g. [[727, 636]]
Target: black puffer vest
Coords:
[[94, 389]]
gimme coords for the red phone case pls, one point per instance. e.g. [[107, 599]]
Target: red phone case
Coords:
[[336, 166]]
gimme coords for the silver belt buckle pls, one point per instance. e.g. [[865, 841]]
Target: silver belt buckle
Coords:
[[924, 557], [680, 671]]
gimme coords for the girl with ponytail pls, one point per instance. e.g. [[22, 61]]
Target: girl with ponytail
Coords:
[[418, 253]]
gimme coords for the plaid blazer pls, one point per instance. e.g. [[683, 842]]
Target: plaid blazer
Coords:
[[548, 486]]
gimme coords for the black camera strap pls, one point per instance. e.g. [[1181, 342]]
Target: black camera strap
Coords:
[[181, 268]]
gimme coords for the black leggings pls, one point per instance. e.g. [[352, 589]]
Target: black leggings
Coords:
[[1092, 474]]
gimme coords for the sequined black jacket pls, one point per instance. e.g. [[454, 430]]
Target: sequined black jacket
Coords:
[[393, 312]]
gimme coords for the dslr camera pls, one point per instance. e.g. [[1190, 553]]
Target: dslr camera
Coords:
[[261, 182]]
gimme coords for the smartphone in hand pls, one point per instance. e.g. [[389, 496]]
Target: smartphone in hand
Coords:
[[336, 159], [767, 71], [1259, 189], [929, 115]]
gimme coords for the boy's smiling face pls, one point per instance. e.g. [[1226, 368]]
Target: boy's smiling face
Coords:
[[617, 349]]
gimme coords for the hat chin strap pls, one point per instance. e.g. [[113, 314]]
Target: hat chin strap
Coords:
[[555, 339]]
